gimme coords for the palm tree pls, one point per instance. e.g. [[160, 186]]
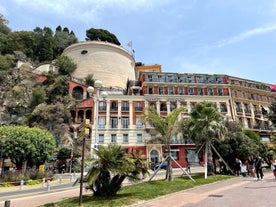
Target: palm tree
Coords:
[[204, 125], [110, 168], [166, 127]]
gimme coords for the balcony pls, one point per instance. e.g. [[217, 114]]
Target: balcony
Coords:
[[113, 126], [247, 111], [114, 108], [257, 113], [223, 109], [138, 108], [239, 110], [125, 108], [102, 108]]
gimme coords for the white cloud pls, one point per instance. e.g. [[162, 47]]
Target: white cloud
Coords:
[[86, 10], [245, 35]]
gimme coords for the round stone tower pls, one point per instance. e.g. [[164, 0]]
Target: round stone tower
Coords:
[[110, 63]]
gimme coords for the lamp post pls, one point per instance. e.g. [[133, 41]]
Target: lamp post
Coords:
[[98, 85]]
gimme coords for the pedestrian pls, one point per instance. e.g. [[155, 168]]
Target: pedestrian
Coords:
[[188, 167], [237, 166], [273, 167], [251, 166], [258, 167]]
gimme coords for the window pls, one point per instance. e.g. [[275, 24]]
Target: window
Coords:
[[125, 138], [125, 122], [238, 107], [113, 138], [223, 107], [174, 140], [191, 91], [102, 106], [114, 122], [114, 106], [138, 106], [150, 90], [125, 106], [138, 122], [171, 90], [161, 90], [246, 108], [163, 107], [210, 92], [200, 91], [249, 123], [172, 107], [101, 138], [139, 138], [101, 122], [180, 91], [220, 93]]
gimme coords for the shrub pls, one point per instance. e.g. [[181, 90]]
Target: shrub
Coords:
[[33, 182]]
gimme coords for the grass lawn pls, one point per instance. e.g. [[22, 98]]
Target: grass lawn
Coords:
[[142, 191]]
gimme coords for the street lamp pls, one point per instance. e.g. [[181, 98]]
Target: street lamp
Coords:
[[98, 85]]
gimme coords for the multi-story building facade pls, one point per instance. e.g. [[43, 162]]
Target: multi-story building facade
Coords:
[[132, 87], [119, 115]]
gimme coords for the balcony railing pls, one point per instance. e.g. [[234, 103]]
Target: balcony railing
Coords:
[[138, 108], [102, 108], [125, 108]]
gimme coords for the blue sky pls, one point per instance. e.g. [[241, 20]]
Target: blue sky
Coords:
[[233, 37]]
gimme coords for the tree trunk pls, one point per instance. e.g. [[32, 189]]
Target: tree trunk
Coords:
[[169, 166], [210, 164]]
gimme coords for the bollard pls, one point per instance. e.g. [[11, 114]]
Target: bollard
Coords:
[[21, 184], [7, 203], [60, 179], [43, 183], [48, 185]]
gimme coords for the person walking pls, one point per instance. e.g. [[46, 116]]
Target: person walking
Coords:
[[237, 166], [188, 166], [273, 167], [251, 166], [258, 167]]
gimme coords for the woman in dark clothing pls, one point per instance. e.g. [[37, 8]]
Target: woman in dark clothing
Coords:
[[258, 167]]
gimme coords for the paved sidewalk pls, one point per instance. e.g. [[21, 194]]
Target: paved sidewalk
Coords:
[[239, 191], [39, 199]]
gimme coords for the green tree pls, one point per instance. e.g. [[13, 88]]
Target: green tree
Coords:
[[65, 64], [89, 80], [4, 29], [38, 96], [63, 39], [110, 169], [44, 44], [101, 35], [6, 63], [166, 127], [28, 146], [204, 126], [23, 41], [235, 145]]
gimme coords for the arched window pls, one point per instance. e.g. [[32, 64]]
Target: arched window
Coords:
[[154, 156]]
